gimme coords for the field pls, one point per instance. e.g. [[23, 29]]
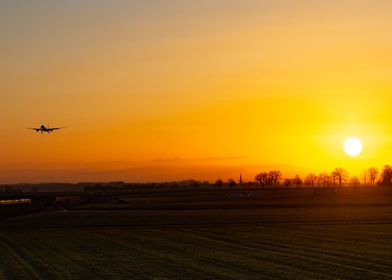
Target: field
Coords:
[[204, 235]]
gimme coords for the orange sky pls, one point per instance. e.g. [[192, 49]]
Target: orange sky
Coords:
[[164, 90]]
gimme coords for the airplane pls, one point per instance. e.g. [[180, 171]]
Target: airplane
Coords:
[[43, 129]]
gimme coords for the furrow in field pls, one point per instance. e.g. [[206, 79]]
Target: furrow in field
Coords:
[[126, 256], [55, 248], [207, 257], [317, 238], [301, 253], [20, 268], [39, 259], [257, 257], [165, 262]]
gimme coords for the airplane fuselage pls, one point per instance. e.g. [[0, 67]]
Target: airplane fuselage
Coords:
[[43, 129]]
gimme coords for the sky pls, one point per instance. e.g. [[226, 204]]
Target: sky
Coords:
[[168, 90]]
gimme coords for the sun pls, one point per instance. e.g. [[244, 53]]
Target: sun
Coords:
[[352, 146]]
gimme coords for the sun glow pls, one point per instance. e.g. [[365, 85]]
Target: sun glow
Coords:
[[352, 146]]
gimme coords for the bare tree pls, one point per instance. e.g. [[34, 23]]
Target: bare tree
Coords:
[[275, 176], [262, 178], [334, 177], [231, 183], [310, 179], [373, 173], [297, 181], [386, 176], [341, 175], [354, 181], [287, 182], [219, 183], [323, 179], [364, 175]]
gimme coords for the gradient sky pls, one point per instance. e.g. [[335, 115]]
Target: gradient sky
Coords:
[[162, 90]]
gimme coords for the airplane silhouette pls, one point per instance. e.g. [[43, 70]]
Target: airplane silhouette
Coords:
[[43, 129]]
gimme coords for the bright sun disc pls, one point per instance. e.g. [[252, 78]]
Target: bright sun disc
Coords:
[[352, 146]]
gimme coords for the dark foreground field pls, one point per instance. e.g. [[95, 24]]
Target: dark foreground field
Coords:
[[258, 236]]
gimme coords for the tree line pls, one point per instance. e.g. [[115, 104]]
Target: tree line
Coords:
[[338, 177]]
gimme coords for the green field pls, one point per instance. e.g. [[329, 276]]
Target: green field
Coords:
[[334, 242]]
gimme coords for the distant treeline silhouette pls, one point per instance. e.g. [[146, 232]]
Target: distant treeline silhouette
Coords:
[[338, 177]]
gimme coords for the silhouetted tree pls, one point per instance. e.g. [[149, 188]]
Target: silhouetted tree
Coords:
[[275, 176], [320, 180], [219, 183], [364, 175], [287, 182], [323, 179], [354, 181], [231, 183], [310, 179], [262, 178], [334, 178], [297, 181], [386, 176], [259, 178], [189, 183], [205, 183], [340, 174], [373, 173]]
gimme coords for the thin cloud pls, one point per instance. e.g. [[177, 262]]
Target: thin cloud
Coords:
[[173, 159]]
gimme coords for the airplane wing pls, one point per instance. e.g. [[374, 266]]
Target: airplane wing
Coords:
[[33, 128], [54, 128]]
